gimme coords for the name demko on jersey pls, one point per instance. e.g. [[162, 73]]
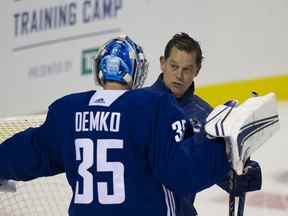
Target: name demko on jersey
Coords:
[[122, 152]]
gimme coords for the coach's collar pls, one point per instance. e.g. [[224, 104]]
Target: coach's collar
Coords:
[[161, 85]]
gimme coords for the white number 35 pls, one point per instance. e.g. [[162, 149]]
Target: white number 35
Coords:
[[86, 147]]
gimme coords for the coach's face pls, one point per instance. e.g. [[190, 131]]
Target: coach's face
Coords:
[[179, 70]]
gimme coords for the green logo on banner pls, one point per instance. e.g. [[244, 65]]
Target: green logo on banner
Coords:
[[87, 60]]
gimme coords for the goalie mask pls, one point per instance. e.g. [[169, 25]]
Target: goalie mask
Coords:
[[121, 60]]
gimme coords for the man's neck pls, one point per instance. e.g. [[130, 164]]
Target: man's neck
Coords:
[[114, 86]]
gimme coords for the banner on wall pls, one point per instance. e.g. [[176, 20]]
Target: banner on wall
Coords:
[[51, 25], [61, 15], [51, 44], [47, 46]]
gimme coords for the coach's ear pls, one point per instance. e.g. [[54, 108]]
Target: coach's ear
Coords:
[[162, 63]]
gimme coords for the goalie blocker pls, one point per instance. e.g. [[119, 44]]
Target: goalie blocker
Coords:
[[245, 127]]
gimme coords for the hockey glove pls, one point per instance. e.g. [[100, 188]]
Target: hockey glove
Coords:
[[245, 127], [250, 180]]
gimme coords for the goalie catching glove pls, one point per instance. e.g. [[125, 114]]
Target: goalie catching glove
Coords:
[[245, 127]]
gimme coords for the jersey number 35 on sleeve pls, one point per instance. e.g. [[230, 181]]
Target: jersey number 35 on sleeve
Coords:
[[179, 128]]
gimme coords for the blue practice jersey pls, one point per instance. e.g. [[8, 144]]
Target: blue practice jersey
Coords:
[[196, 111], [122, 152]]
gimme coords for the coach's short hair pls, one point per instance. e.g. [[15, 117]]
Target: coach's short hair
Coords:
[[184, 42]]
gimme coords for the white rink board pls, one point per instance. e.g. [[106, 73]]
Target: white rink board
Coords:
[[273, 199]]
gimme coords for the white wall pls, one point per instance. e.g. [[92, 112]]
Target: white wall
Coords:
[[240, 39]]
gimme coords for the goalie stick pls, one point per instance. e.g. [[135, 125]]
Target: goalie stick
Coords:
[[242, 197]]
